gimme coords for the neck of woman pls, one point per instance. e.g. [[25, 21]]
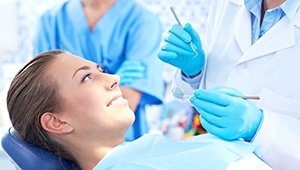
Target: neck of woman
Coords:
[[90, 152]]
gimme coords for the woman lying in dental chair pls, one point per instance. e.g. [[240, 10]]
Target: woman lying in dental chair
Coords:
[[70, 107]]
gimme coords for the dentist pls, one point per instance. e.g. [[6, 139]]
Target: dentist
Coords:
[[251, 47]]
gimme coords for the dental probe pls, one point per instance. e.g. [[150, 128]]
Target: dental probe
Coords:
[[179, 23]]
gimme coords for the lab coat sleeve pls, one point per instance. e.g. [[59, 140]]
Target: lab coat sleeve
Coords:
[[188, 85], [279, 134]]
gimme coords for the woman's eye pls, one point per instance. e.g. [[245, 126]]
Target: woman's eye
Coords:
[[102, 69], [87, 77]]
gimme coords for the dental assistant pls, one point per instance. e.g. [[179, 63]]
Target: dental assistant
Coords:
[[252, 47], [113, 34]]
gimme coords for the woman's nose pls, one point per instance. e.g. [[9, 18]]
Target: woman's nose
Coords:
[[114, 81]]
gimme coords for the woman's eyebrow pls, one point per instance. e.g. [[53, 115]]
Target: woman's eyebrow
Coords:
[[81, 68]]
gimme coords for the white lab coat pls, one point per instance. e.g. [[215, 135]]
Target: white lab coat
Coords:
[[269, 68]]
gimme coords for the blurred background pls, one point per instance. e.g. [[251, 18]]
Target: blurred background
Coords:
[[18, 20]]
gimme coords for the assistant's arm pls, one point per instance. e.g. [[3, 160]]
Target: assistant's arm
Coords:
[[144, 38]]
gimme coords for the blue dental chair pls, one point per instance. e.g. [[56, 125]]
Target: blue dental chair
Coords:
[[27, 156]]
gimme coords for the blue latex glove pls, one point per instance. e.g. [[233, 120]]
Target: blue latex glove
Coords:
[[177, 51], [131, 70], [226, 116]]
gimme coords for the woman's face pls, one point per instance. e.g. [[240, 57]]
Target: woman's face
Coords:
[[92, 99]]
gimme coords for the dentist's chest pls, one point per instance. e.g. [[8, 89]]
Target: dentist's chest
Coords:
[[272, 62]]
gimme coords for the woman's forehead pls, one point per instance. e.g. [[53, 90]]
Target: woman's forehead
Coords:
[[66, 64], [68, 60], [62, 64]]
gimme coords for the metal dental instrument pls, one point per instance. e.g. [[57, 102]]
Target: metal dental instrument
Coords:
[[179, 23], [179, 94]]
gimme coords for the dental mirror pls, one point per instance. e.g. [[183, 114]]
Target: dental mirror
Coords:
[[179, 94]]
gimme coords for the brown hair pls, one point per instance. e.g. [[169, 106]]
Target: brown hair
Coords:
[[32, 93]]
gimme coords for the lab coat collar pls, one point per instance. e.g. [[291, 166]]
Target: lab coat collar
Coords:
[[296, 18], [280, 36], [242, 30]]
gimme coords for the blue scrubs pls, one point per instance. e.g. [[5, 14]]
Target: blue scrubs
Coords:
[[126, 32], [153, 151]]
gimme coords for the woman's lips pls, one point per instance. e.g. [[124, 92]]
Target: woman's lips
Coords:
[[118, 101]]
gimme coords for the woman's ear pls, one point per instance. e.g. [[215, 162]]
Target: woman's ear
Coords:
[[52, 123]]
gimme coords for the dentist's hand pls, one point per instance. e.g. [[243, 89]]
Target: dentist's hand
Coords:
[[177, 51], [226, 116], [131, 70]]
